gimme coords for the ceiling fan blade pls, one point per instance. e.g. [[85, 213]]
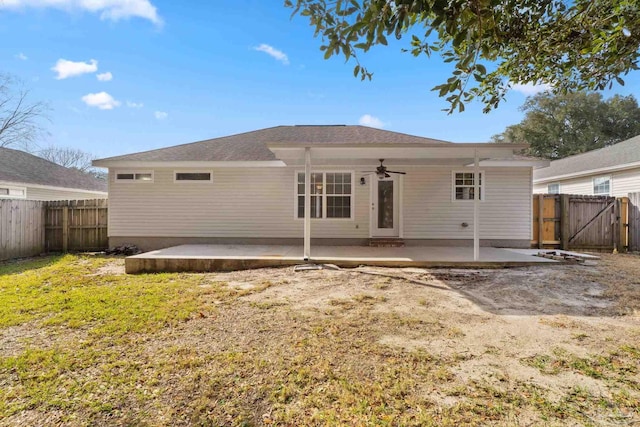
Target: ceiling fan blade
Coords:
[[401, 173], [386, 175]]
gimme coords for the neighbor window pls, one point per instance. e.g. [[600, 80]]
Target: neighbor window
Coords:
[[463, 186], [553, 189], [13, 193], [331, 194], [192, 176], [602, 186], [134, 176]]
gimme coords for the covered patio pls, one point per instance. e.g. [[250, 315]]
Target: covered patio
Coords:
[[201, 258]]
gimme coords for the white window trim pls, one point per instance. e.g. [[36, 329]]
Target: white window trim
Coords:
[[555, 183], [13, 187], [483, 195], [197, 181], [593, 185], [324, 173], [133, 181]]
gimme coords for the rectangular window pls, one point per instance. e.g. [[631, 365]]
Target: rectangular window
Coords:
[[13, 193], [193, 176], [553, 189], [135, 176], [602, 186], [463, 186], [331, 195]]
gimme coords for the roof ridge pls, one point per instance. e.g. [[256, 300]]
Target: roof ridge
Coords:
[[573, 156]]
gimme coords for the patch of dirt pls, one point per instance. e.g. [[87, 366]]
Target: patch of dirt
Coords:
[[487, 320], [113, 268]]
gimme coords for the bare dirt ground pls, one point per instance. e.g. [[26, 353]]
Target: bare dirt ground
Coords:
[[547, 345]]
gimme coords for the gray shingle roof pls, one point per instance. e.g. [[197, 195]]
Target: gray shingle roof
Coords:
[[20, 167], [615, 155], [252, 146]]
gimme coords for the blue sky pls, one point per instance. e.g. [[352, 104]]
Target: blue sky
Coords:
[[186, 71]]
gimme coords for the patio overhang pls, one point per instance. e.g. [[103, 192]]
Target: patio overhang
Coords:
[[300, 153], [409, 154]]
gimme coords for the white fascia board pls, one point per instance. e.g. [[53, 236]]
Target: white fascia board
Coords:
[[536, 164], [51, 187], [187, 164], [587, 173]]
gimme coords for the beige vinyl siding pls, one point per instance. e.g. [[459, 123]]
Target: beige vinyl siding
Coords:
[[34, 193], [259, 203], [622, 183], [625, 182], [251, 202], [430, 212]]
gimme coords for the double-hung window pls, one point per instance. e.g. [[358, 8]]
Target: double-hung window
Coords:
[[602, 186], [463, 185], [331, 195]]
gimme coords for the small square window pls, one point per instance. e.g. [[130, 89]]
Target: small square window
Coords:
[[602, 186], [464, 186], [553, 189]]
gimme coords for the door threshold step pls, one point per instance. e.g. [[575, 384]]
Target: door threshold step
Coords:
[[386, 243]]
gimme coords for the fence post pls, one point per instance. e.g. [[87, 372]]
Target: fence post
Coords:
[[624, 224], [540, 221], [564, 222], [616, 227], [65, 228]]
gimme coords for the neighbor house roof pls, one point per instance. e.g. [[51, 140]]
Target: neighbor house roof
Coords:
[[617, 156], [252, 146], [20, 167]]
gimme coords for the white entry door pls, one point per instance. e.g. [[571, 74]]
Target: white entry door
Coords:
[[384, 205]]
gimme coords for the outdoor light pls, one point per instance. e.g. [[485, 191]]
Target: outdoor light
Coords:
[[362, 181]]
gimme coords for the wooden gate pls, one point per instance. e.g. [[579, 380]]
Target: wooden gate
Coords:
[[634, 222], [579, 222]]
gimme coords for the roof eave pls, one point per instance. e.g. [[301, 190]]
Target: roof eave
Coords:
[[587, 172], [107, 163]]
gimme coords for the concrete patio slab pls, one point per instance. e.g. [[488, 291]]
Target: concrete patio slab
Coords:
[[200, 258]]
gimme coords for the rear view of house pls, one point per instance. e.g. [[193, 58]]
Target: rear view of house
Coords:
[[338, 185], [25, 176], [609, 171]]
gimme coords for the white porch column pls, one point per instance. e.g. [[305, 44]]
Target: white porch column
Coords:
[[307, 203], [476, 212]]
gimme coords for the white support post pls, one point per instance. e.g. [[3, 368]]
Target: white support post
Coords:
[[476, 207], [307, 203]]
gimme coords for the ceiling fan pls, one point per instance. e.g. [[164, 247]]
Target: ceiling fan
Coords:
[[382, 171]]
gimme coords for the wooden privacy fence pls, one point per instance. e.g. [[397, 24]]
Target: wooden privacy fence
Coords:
[[21, 228], [29, 228], [76, 225], [580, 222], [634, 222]]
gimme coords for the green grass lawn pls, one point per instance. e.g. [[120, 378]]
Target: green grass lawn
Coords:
[[83, 345]]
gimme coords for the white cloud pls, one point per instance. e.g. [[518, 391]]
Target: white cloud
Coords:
[[101, 100], [131, 104], [21, 56], [273, 52], [104, 77], [161, 115], [369, 120], [530, 88], [113, 10], [66, 69]]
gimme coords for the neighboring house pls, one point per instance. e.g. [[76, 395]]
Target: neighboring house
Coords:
[[250, 188], [610, 171], [25, 176]]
